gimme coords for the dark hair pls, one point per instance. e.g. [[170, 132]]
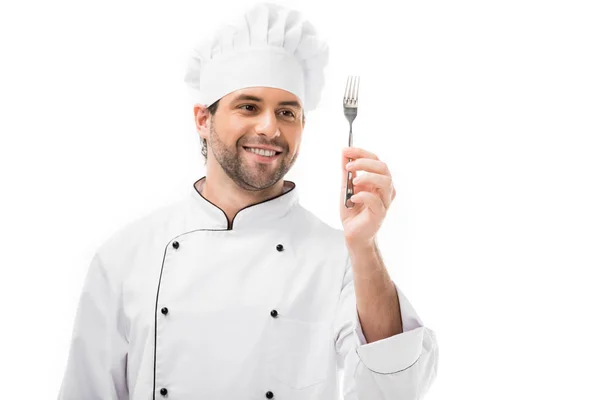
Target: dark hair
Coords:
[[212, 109]]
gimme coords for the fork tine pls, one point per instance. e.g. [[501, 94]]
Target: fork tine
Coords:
[[347, 91], [353, 96], [351, 92]]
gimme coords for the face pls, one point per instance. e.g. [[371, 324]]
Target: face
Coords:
[[247, 120]]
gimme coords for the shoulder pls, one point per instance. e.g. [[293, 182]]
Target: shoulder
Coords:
[[139, 228], [319, 233], [142, 234]]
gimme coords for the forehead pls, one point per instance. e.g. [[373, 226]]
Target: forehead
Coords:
[[262, 94]]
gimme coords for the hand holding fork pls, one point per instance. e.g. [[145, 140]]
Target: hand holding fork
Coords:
[[350, 111], [364, 210]]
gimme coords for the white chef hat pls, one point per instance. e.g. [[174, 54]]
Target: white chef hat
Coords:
[[269, 46]]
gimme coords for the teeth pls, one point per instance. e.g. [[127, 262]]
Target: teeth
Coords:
[[267, 153]]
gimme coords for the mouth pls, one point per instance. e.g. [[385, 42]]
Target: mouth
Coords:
[[262, 156]]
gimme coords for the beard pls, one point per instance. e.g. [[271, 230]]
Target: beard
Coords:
[[247, 174]]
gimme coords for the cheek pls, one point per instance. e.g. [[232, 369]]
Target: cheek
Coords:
[[295, 144], [293, 137], [231, 136]]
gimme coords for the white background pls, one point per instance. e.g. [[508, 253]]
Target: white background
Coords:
[[486, 113]]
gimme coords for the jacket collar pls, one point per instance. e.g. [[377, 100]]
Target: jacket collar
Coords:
[[253, 216]]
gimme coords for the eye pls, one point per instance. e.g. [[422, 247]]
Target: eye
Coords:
[[289, 113], [248, 107]]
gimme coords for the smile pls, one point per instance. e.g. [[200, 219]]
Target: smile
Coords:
[[262, 155], [261, 152]]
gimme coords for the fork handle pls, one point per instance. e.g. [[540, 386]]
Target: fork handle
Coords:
[[349, 190], [349, 184]]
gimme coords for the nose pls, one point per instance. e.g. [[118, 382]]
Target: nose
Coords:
[[267, 125]]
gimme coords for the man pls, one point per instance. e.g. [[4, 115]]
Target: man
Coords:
[[238, 292]]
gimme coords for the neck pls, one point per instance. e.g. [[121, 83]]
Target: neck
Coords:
[[229, 197]]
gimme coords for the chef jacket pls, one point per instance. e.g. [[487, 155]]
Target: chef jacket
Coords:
[[180, 304]]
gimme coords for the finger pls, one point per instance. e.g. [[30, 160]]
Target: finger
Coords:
[[371, 201], [367, 164], [344, 170], [357, 152], [382, 184]]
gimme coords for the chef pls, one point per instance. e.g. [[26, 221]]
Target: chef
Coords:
[[236, 291]]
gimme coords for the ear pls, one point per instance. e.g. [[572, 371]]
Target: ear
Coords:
[[201, 118]]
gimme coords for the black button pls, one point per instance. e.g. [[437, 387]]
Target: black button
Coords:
[[274, 313], [269, 394], [176, 244], [279, 247], [164, 391], [164, 310]]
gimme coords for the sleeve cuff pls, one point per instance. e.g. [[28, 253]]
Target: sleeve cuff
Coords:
[[395, 353]]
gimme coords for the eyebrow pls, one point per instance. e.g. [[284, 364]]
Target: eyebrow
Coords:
[[247, 97]]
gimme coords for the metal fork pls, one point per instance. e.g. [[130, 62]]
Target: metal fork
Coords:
[[350, 111]]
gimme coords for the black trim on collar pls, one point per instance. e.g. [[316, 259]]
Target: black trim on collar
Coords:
[[230, 224]]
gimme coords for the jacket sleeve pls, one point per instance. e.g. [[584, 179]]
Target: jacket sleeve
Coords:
[[400, 367], [97, 360]]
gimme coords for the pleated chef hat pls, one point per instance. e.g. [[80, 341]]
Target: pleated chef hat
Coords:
[[269, 46]]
